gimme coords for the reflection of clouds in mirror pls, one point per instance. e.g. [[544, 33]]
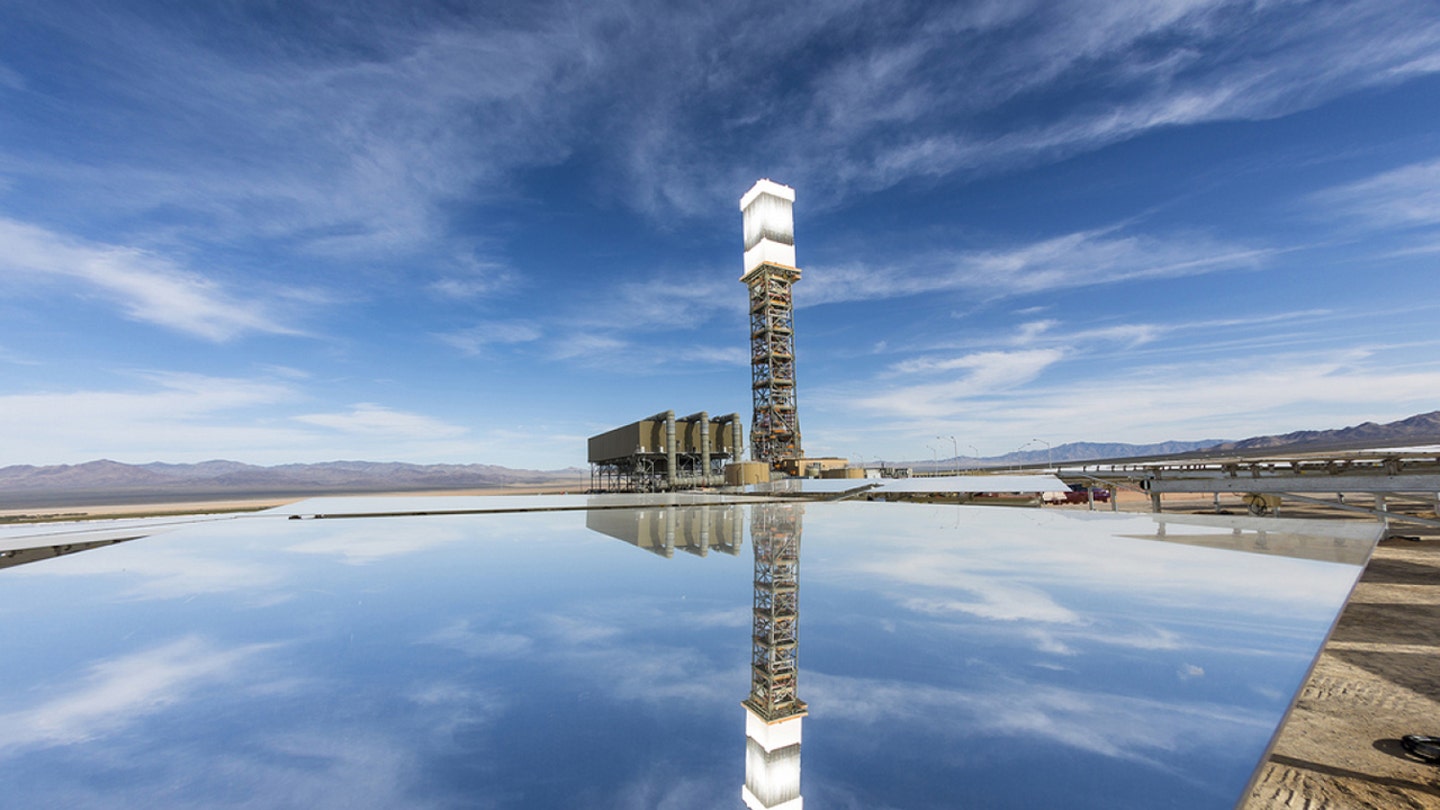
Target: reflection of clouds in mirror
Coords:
[[118, 691], [1046, 642], [623, 658], [578, 630], [336, 767], [667, 790], [1113, 725], [445, 707], [169, 573], [367, 543], [1081, 553], [673, 677], [995, 601], [460, 637], [614, 646], [736, 617]]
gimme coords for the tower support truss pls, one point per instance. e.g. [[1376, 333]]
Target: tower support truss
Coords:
[[775, 429]]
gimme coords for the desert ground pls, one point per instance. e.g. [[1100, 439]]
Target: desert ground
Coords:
[[1375, 681]]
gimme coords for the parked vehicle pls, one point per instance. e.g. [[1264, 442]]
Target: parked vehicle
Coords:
[[1076, 494]]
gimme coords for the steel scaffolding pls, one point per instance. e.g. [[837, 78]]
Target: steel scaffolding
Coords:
[[775, 647]]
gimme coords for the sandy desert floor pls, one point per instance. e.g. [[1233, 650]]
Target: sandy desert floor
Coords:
[[1377, 679]]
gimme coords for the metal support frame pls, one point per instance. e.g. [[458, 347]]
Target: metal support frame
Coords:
[[1382, 514], [775, 426], [1423, 483]]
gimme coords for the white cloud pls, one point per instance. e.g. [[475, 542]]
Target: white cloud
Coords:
[[148, 287], [1219, 61], [476, 339], [1079, 259], [472, 278], [176, 415], [369, 419], [1237, 393], [1405, 197], [985, 373]]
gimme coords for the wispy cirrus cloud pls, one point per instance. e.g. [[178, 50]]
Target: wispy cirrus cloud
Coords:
[[977, 89], [472, 278], [366, 131], [1236, 395], [191, 417], [981, 374], [478, 339], [369, 419], [1406, 197], [1073, 260], [145, 285]]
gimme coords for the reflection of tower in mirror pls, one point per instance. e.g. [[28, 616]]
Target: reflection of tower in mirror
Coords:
[[773, 712]]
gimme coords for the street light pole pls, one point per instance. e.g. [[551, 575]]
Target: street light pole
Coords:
[[1049, 455]]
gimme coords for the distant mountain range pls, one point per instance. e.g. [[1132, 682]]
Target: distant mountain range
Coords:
[[1417, 430], [111, 482], [1074, 451]]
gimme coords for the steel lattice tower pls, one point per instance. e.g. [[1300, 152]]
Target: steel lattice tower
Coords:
[[774, 714], [769, 273]]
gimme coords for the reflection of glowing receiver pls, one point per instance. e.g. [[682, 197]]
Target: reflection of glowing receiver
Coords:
[[772, 764]]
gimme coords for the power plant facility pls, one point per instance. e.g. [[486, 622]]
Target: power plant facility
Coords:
[[665, 453]]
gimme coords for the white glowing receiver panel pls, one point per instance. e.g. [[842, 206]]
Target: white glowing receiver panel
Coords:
[[769, 225]]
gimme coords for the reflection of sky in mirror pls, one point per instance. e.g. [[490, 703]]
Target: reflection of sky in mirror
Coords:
[[950, 655]]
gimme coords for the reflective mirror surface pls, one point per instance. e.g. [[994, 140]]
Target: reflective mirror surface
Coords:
[[937, 657]]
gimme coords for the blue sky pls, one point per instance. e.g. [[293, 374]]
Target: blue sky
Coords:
[[288, 232]]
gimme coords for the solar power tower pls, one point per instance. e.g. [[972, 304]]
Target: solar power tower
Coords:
[[769, 273], [774, 713]]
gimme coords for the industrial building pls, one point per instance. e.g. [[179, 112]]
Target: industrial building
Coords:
[[665, 453]]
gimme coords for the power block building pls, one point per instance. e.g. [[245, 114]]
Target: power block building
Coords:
[[663, 453], [770, 272]]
